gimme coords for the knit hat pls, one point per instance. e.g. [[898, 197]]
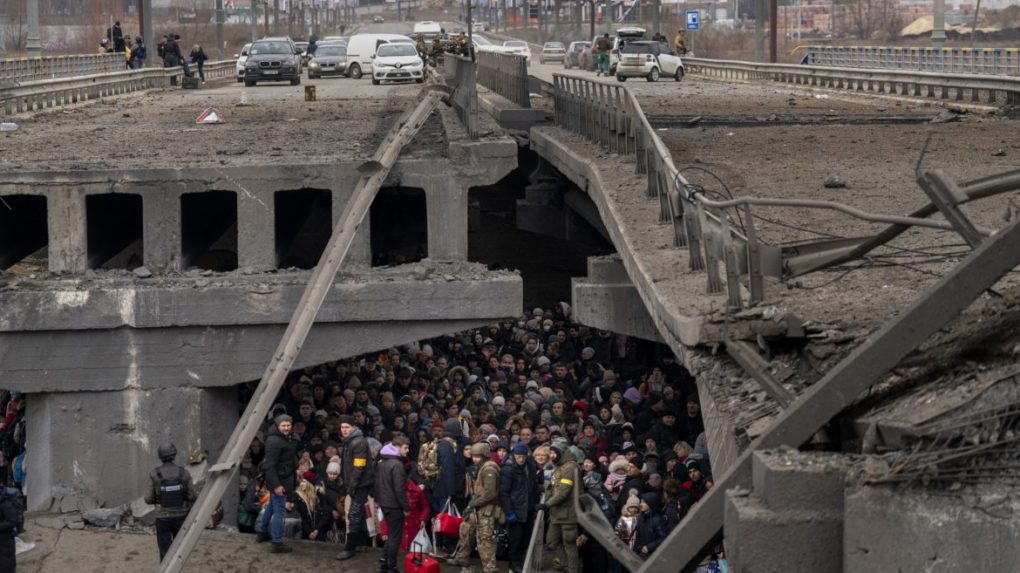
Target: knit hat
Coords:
[[347, 419], [632, 500], [452, 428], [282, 418], [498, 401], [692, 463], [632, 395], [543, 361], [521, 449], [588, 350], [332, 468], [531, 384]]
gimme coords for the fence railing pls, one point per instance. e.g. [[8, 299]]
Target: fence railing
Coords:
[[16, 71], [45, 94], [459, 73], [990, 61], [999, 90], [505, 74]]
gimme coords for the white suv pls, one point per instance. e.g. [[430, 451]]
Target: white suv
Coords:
[[239, 65], [648, 59]]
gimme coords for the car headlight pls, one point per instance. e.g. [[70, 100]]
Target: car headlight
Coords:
[[313, 64]]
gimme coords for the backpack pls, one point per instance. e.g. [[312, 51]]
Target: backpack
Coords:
[[428, 459], [171, 490]]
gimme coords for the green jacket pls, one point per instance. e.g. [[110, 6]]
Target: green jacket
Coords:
[[560, 492]]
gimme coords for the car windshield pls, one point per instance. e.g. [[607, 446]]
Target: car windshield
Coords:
[[270, 48], [301, 45], [553, 46], [331, 51], [400, 49], [515, 44], [637, 48], [482, 41], [578, 46]]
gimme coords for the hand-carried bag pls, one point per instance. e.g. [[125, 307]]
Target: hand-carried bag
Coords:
[[447, 522]]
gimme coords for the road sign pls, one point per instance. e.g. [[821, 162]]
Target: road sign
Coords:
[[693, 19]]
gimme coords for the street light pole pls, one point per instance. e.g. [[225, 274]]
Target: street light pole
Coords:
[[219, 29], [32, 44]]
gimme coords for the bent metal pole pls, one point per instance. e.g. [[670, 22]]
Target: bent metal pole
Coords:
[[374, 173]]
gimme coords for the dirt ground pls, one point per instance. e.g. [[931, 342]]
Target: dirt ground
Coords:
[[59, 550]]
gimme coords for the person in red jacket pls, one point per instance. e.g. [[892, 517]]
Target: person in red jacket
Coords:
[[420, 510]]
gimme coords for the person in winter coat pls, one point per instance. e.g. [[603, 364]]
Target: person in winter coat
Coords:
[[280, 467], [391, 496], [199, 58], [518, 497], [560, 504], [357, 472], [651, 529], [331, 498], [8, 529], [678, 501], [696, 480], [420, 511], [450, 483]]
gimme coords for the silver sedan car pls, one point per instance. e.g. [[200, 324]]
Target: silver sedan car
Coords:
[[329, 60]]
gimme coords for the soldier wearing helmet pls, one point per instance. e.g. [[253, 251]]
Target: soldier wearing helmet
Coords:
[[483, 513], [172, 493], [559, 502]]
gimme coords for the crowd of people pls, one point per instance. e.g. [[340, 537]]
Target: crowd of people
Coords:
[[168, 50], [499, 426]]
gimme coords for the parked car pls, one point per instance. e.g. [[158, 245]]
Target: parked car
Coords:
[[622, 37], [572, 59], [378, 19], [361, 50], [241, 59], [482, 44], [397, 62], [273, 59], [329, 60], [649, 60], [552, 52], [335, 40], [519, 47]]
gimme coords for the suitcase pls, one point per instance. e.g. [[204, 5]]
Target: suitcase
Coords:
[[418, 562]]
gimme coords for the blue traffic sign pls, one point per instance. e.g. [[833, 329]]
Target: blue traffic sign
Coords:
[[693, 20]]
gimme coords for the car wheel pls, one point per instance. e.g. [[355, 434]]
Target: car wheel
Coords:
[[679, 74], [249, 83], [419, 80], [653, 76], [621, 79], [239, 80], [295, 81], [375, 82], [355, 72]]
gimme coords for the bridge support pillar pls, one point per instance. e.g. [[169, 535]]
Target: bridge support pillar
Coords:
[[446, 202], [256, 232], [66, 221], [95, 449]]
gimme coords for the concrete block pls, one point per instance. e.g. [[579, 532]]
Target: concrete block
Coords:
[[104, 516], [615, 307], [760, 540], [908, 529], [143, 512], [608, 269], [809, 481]]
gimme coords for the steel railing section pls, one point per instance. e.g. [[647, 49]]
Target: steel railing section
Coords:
[[16, 71], [460, 75], [60, 92], [988, 61], [998, 90], [610, 116], [505, 74]]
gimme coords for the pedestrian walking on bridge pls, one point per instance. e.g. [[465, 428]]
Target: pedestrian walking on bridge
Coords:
[[603, 45]]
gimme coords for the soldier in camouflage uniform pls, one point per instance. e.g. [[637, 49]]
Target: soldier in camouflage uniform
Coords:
[[559, 503], [423, 51], [437, 49], [483, 513]]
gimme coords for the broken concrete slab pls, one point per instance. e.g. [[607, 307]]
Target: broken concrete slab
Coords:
[[104, 516]]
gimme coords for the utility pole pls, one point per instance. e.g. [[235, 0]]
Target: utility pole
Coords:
[[773, 29], [33, 45], [276, 17], [759, 30], [219, 29], [253, 18], [657, 16], [938, 31], [591, 31], [145, 24]]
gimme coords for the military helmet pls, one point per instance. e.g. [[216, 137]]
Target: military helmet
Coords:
[[481, 449], [167, 452]]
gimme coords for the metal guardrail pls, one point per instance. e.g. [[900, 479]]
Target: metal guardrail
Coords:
[[460, 75], [60, 92], [999, 90], [990, 61], [16, 71], [505, 74]]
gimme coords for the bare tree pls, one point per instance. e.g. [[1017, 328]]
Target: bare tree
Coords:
[[15, 29]]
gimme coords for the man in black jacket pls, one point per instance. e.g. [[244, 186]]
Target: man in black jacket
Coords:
[[391, 496], [171, 491], [518, 496], [8, 529], [452, 468], [280, 466], [356, 469]]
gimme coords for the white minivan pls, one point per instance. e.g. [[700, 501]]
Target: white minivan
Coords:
[[361, 50]]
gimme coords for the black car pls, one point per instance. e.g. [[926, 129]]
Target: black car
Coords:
[[273, 59]]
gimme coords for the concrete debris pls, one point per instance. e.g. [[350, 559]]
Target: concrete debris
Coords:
[[143, 512], [142, 272], [75, 523], [999, 153], [947, 116], [104, 516], [835, 182]]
